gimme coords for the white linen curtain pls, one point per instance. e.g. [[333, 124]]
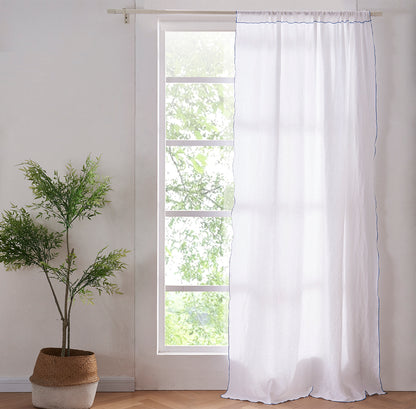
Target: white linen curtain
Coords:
[[304, 263]]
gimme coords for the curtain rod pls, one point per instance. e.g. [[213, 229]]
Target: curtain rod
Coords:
[[127, 12]]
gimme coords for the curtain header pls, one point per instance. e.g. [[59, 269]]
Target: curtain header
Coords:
[[303, 17]]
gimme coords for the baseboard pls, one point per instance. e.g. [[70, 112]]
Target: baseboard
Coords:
[[116, 384], [15, 385], [106, 384]]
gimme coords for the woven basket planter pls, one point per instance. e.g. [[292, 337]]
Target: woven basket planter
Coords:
[[64, 382]]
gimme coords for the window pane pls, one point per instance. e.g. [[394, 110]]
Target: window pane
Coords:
[[199, 178], [199, 54], [196, 318], [197, 250], [199, 111]]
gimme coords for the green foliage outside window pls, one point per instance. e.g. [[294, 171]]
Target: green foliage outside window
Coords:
[[196, 318], [198, 178]]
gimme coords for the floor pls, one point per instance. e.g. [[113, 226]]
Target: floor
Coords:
[[212, 400]]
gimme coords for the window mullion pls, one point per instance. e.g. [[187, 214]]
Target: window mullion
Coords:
[[200, 80], [162, 193], [198, 142], [197, 288], [197, 213]]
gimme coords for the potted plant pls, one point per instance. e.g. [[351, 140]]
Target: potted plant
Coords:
[[63, 378]]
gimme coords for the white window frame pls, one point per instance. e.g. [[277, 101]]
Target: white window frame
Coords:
[[164, 26]]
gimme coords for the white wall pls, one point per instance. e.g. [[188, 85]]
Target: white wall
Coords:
[[395, 35], [67, 89]]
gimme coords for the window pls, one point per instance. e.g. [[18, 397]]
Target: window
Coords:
[[196, 104]]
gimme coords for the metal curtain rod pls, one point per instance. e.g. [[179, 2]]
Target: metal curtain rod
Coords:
[[127, 12]]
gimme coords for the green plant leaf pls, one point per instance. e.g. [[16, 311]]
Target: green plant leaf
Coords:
[[23, 242], [76, 195]]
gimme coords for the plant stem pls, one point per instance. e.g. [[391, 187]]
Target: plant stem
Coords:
[[64, 325], [53, 292], [69, 327], [68, 271]]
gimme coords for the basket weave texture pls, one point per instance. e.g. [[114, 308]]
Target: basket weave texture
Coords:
[[53, 370]]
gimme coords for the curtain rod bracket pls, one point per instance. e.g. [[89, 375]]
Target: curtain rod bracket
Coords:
[[125, 12], [126, 16]]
